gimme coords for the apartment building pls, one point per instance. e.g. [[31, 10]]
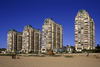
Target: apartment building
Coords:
[[12, 40], [19, 41], [84, 31], [31, 39], [52, 35]]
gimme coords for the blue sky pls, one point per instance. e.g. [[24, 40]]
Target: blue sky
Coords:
[[18, 13]]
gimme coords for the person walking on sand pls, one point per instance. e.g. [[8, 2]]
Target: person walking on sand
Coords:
[[87, 54]]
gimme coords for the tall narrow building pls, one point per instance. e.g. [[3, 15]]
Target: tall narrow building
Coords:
[[11, 40], [52, 34], [84, 31], [19, 41], [31, 39]]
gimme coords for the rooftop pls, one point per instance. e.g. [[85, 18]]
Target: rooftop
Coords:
[[50, 18], [12, 30], [83, 10], [28, 26]]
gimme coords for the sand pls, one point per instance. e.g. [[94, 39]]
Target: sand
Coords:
[[7, 61]]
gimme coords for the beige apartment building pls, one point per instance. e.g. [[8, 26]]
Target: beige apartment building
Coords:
[[52, 35], [13, 41], [19, 41], [31, 39], [84, 31]]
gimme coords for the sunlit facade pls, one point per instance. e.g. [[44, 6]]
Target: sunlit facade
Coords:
[[31, 39], [14, 41], [26, 41], [84, 31], [52, 34]]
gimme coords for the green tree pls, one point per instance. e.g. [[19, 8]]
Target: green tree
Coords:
[[98, 46], [2, 49]]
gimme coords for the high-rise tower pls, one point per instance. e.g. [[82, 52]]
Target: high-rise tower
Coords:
[[14, 40], [31, 39], [52, 34], [84, 31]]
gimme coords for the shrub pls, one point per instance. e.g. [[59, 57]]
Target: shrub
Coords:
[[60, 52], [42, 53], [79, 52], [56, 55], [14, 52], [69, 56], [6, 54], [74, 51], [30, 52], [66, 51], [36, 52], [20, 52]]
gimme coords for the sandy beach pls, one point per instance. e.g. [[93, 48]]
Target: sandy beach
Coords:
[[7, 61]]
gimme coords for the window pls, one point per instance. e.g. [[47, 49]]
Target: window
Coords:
[[75, 30], [79, 35], [28, 39], [81, 27], [79, 21], [86, 36], [82, 41], [49, 28], [86, 23], [75, 21], [82, 31], [86, 40], [46, 22], [75, 27], [80, 15], [49, 33], [49, 40]]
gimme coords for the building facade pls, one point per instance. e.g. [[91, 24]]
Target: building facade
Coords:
[[26, 41], [19, 41], [12, 40], [84, 31], [31, 39], [52, 34]]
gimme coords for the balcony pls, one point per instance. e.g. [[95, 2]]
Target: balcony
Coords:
[[76, 19], [85, 20]]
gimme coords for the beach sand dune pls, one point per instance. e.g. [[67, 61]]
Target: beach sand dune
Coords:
[[7, 61]]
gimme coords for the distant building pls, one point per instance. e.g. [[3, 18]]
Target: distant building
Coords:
[[52, 34], [13, 42], [69, 49], [31, 39], [84, 31]]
